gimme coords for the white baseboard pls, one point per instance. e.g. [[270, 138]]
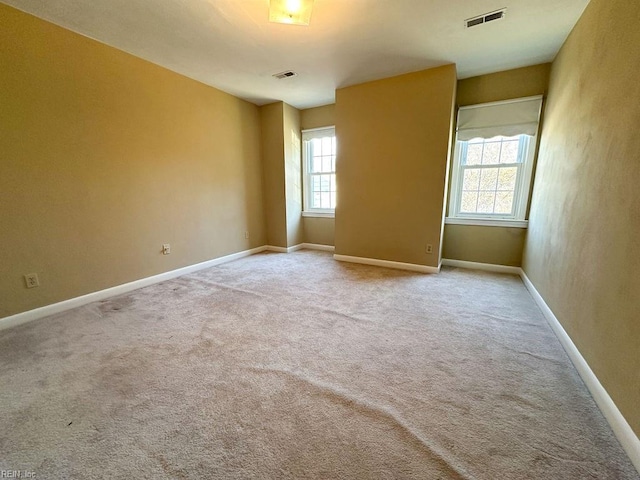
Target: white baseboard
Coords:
[[621, 428], [489, 267], [300, 246], [37, 313], [387, 263], [272, 248], [318, 246]]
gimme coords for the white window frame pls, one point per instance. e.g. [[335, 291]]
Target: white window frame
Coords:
[[521, 192], [307, 135]]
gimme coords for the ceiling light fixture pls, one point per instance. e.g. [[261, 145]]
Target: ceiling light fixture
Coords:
[[291, 12]]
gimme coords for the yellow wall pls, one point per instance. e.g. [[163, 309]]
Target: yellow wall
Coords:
[[318, 230], [516, 83], [582, 251], [293, 174], [478, 243], [282, 174], [317, 117], [275, 202], [393, 144], [496, 245], [105, 157]]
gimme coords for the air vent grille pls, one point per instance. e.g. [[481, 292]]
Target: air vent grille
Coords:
[[485, 18], [286, 74]]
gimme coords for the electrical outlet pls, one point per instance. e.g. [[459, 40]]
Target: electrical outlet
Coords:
[[31, 279], [246, 234], [166, 249], [429, 248]]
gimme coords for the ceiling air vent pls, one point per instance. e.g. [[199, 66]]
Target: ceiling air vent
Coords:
[[286, 74], [485, 18]]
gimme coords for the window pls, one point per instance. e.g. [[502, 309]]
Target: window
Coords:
[[493, 162], [319, 163]]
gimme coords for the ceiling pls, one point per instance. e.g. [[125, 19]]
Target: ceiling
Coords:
[[229, 44]]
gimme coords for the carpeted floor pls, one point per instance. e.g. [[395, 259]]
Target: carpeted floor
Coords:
[[294, 366]]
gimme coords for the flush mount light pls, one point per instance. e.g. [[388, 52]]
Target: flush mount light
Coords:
[[291, 12]]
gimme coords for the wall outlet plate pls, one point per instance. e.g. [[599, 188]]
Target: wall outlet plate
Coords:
[[31, 279], [166, 249], [429, 248]]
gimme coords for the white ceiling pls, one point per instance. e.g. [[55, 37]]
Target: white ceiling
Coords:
[[229, 44]]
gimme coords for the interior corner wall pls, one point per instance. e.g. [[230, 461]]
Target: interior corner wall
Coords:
[[275, 201], [318, 230], [476, 243], [582, 251], [293, 174], [393, 138], [105, 157]]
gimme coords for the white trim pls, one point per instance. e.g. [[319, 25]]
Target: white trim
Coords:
[[37, 313], [502, 102], [306, 157], [311, 213], [526, 151], [273, 248], [317, 128], [489, 267], [318, 246], [486, 222], [621, 428], [300, 246], [387, 263]]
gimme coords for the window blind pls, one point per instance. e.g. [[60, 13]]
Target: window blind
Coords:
[[508, 118]]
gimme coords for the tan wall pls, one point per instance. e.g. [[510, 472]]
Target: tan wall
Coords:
[[497, 245], [275, 203], [393, 140], [105, 157], [321, 231], [516, 83], [582, 252], [317, 117], [475, 243], [293, 175], [318, 230]]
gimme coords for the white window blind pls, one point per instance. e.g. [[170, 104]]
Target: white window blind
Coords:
[[508, 119]]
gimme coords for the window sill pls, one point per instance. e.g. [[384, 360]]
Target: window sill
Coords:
[[487, 222], [319, 214]]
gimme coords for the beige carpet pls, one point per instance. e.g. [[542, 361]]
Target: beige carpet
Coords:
[[294, 366]]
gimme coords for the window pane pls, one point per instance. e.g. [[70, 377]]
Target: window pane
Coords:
[[474, 154], [326, 146], [504, 202], [326, 164], [319, 161], [485, 202], [317, 164], [507, 178], [488, 179], [471, 179], [325, 198], [491, 153], [509, 152], [325, 183], [469, 202]]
